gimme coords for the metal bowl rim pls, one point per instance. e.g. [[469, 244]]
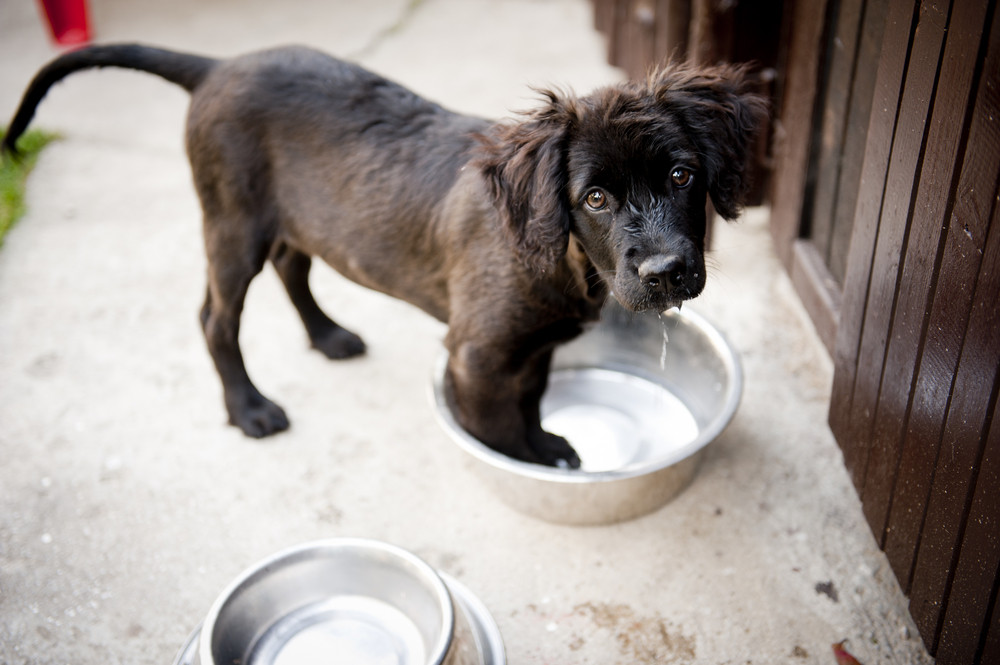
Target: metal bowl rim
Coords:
[[727, 354], [436, 653], [486, 633]]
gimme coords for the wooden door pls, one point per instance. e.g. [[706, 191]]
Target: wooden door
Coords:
[[884, 199], [918, 343], [884, 211]]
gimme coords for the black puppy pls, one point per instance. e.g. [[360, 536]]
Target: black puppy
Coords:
[[511, 233]]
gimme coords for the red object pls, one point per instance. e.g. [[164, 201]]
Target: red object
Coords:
[[843, 656], [68, 21]]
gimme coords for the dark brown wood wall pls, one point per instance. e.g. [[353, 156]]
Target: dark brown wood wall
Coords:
[[853, 44], [793, 179], [833, 53], [918, 345], [885, 206], [888, 145]]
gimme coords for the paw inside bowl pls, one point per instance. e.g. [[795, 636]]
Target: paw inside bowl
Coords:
[[638, 409], [614, 419]]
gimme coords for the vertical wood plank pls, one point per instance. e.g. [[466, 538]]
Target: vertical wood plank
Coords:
[[960, 454], [794, 126], [969, 413], [859, 112], [949, 310], [701, 43], [639, 38], [838, 120], [842, 52], [939, 165], [991, 646], [977, 572], [673, 17], [617, 17], [871, 188], [820, 295], [887, 175], [904, 171]]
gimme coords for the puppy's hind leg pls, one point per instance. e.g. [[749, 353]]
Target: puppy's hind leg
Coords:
[[325, 334], [229, 276]]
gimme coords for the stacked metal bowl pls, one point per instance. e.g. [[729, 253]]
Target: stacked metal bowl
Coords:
[[345, 600]]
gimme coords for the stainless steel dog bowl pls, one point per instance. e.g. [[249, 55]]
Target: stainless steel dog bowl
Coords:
[[345, 601], [638, 397]]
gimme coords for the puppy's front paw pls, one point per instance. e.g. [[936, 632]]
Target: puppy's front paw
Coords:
[[259, 418], [554, 450]]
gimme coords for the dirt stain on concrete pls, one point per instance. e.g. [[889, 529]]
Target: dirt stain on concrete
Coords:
[[645, 639], [829, 590]]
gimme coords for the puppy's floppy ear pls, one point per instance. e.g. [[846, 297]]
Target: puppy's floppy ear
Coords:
[[524, 166], [722, 115]]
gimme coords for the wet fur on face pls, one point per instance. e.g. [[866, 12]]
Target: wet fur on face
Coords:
[[512, 233], [647, 153]]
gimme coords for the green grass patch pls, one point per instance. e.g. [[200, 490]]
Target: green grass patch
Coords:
[[14, 174]]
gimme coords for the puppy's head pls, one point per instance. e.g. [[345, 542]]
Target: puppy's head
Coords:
[[627, 171]]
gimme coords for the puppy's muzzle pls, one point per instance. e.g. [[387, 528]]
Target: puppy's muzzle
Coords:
[[661, 281], [663, 272]]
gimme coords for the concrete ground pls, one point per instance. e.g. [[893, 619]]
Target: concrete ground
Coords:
[[127, 504]]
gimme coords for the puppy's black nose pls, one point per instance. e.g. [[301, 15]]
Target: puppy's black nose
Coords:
[[663, 271]]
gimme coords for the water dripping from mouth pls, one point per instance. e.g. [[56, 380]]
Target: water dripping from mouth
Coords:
[[663, 353]]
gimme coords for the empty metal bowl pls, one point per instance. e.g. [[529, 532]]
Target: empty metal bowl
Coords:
[[344, 600], [638, 396]]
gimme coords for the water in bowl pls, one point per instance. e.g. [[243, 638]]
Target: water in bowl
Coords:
[[613, 419], [343, 630]]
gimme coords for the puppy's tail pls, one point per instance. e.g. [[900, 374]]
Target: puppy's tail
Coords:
[[187, 71]]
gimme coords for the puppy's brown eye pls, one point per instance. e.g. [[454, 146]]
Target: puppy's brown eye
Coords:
[[681, 177], [597, 200]]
